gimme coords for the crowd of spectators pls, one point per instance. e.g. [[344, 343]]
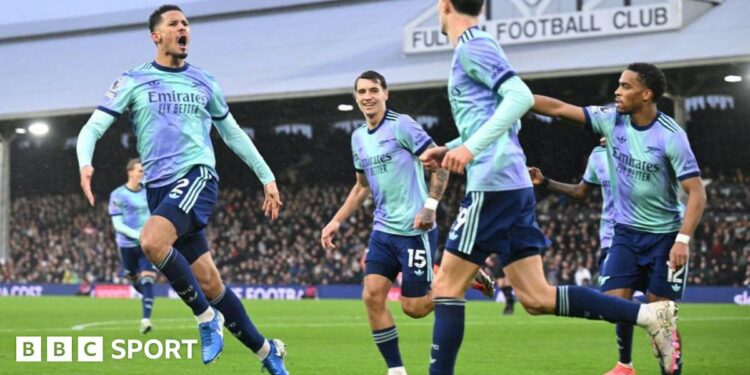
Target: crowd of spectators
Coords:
[[61, 239]]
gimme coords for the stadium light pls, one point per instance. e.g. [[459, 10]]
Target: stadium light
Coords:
[[346, 107], [733, 78], [20, 131], [39, 128]]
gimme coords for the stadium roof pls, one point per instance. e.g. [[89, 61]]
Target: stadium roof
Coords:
[[285, 48]]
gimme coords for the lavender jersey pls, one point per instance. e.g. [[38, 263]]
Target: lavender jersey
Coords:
[[388, 155], [133, 206], [171, 111], [597, 173], [645, 167], [479, 68]]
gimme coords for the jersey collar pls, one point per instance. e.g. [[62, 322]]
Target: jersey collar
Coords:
[[385, 116], [168, 69], [468, 35], [644, 128]]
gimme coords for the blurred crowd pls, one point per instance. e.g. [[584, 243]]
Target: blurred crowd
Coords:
[[61, 239]]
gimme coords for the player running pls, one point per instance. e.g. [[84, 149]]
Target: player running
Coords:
[[497, 216], [172, 106], [649, 157], [128, 208], [404, 237]]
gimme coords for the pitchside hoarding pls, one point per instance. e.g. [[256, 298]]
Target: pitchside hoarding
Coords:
[[694, 294]]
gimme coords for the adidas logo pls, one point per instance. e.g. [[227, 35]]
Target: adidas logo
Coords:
[[419, 272]]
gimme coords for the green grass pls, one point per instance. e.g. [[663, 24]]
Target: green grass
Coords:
[[332, 337]]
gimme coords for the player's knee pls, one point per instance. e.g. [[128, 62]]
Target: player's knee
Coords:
[[372, 299], [152, 246]]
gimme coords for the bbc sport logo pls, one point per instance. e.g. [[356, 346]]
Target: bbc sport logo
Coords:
[[91, 349]]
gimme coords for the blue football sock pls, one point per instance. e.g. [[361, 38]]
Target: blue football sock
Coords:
[[147, 289], [237, 320], [587, 303], [387, 341], [177, 270], [625, 341], [447, 334]]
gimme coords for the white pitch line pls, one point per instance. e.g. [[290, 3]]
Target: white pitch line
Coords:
[[105, 325]]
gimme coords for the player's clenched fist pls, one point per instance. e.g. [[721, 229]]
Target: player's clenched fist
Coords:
[[536, 176], [456, 160], [432, 157]]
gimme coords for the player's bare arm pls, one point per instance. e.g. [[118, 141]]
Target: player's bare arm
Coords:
[[576, 191], [678, 255], [425, 218], [544, 105], [357, 196]]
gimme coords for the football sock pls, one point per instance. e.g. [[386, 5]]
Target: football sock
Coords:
[[237, 320], [147, 289], [582, 302], [177, 270], [387, 341], [447, 334]]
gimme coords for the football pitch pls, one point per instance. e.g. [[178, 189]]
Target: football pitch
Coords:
[[333, 337]]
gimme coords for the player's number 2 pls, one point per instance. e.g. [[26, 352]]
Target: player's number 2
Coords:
[[177, 190]]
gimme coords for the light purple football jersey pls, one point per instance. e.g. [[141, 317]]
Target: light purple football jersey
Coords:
[[645, 166], [171, 111], [479, 68], [388, 155]]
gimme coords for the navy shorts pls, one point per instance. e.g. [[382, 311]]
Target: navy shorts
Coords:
[[497, 222], [187, 203], [638, 260], [134, 261], [389, 254]]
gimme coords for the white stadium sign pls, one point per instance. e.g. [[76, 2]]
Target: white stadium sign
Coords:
[[537, 22]]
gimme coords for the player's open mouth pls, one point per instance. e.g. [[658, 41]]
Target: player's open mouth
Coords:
[[182, 41]]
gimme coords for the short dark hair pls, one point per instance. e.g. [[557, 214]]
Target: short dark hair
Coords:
[[131, 164], [372, 76], [652, 77], [155, 18], [468, 7]]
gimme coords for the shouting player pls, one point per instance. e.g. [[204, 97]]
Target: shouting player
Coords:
[[172, 106]]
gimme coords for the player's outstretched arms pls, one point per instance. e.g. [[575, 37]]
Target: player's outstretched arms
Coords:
[[357, 196], [94, 128], [579, 191], [544, 105]]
